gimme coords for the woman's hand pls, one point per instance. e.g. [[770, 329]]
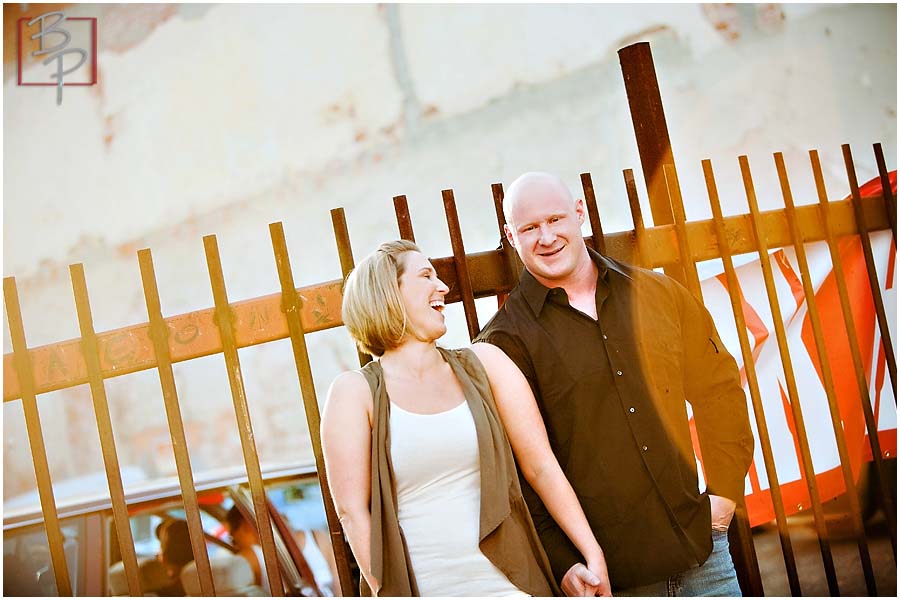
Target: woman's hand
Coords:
[[582, 581]]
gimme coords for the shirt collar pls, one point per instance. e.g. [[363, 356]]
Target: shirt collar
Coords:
[[535, 292]]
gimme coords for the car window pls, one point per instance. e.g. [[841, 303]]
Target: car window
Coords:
[[143, 529], [27, 568]]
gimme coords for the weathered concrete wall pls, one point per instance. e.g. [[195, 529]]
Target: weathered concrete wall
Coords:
[[222, 119]]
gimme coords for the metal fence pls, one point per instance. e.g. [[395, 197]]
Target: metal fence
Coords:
[[673, 244]]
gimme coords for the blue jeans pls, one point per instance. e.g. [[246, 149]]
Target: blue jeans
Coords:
[[715, 577]]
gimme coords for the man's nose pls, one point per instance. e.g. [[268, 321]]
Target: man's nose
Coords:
[[548, 236]]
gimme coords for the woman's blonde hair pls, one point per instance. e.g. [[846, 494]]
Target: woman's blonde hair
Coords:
[[372, 308]]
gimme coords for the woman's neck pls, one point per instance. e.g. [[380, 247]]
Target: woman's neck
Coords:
[[413, 359]]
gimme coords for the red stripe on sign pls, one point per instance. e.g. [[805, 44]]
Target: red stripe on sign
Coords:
[[755, 324], [754, 478], [792, 427], [787, 271], [892, 254]]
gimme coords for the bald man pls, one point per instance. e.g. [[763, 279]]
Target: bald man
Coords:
[[612, 352]]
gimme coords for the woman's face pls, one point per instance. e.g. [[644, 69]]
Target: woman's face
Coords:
[[423, 297]]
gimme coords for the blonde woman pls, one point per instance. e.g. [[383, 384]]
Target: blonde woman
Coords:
[[417, 450]]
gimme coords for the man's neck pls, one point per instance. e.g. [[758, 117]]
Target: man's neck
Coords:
[[582, 281], [580, 286]]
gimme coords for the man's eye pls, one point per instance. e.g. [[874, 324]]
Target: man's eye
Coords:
[[554, 219], [527, 228]]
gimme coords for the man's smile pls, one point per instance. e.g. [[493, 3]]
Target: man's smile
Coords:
[[552, 252]]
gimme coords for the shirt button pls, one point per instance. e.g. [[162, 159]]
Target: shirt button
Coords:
[[631, 410], [644, 448], [619, 373], [604, 337]]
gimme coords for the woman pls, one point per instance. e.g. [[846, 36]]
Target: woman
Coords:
[[417, 436]]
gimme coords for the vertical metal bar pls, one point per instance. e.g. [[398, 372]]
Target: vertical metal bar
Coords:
[[513, 262], [159, 335], [650, 131], [890, 201], [404, 222], [593, 214], [291, 307], [634, 203], [25, 373], [827, 374], [225, 324], [807, 470], [744, 551], [734, 295], [345, 253], [104, 426], [684, 248], [459, 260], [863, 229], [858, 367]]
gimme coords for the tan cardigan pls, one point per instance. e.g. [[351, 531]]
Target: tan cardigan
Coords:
[[506, 533]]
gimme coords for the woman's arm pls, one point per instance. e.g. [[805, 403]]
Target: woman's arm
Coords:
[[346, 443], [528, 438]]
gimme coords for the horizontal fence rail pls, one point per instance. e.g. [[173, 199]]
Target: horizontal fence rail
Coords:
[[294, 312], [259, 320]]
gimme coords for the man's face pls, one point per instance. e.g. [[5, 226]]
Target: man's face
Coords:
[[545, 229]]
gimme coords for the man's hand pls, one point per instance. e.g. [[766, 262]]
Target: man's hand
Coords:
[[722, 510], [581, 581]]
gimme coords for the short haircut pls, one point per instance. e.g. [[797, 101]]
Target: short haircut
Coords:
[[372, 308], [176, 544], [234, 519]]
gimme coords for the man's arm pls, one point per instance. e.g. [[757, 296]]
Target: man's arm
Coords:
[[712, 384]]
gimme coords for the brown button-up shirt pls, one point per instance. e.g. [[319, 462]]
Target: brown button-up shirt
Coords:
[[612, 393]]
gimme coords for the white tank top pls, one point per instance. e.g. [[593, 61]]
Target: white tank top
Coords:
[[437, 473]]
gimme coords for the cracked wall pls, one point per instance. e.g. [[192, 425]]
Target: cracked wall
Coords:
[[223, 119]]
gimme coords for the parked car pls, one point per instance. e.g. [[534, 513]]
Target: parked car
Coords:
[[94, 557]]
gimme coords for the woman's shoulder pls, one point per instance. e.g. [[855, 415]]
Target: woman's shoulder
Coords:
[[490, 355], [350, 389]]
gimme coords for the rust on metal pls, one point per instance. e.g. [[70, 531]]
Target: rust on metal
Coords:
[[345, 253], [290, 306], [890, 201], [827, 376], [513, 262], [159, 335], [862, 384], [91, 352], [637, 218], [21, 359], [226, 327], [864, 229], [650, 131], [790, 380], [688, 266], [404, 223], [734, 296], [460, 262], [590, 201]]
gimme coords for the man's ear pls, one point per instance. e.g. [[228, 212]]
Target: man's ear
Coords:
[[509, 235], [579, 210]]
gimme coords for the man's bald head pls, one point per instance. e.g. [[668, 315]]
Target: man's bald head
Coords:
[[533, 184]]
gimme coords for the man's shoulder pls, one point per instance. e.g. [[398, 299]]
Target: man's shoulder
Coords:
[[508, 319]]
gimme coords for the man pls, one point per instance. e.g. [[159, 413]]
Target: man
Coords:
[[612, 352]]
